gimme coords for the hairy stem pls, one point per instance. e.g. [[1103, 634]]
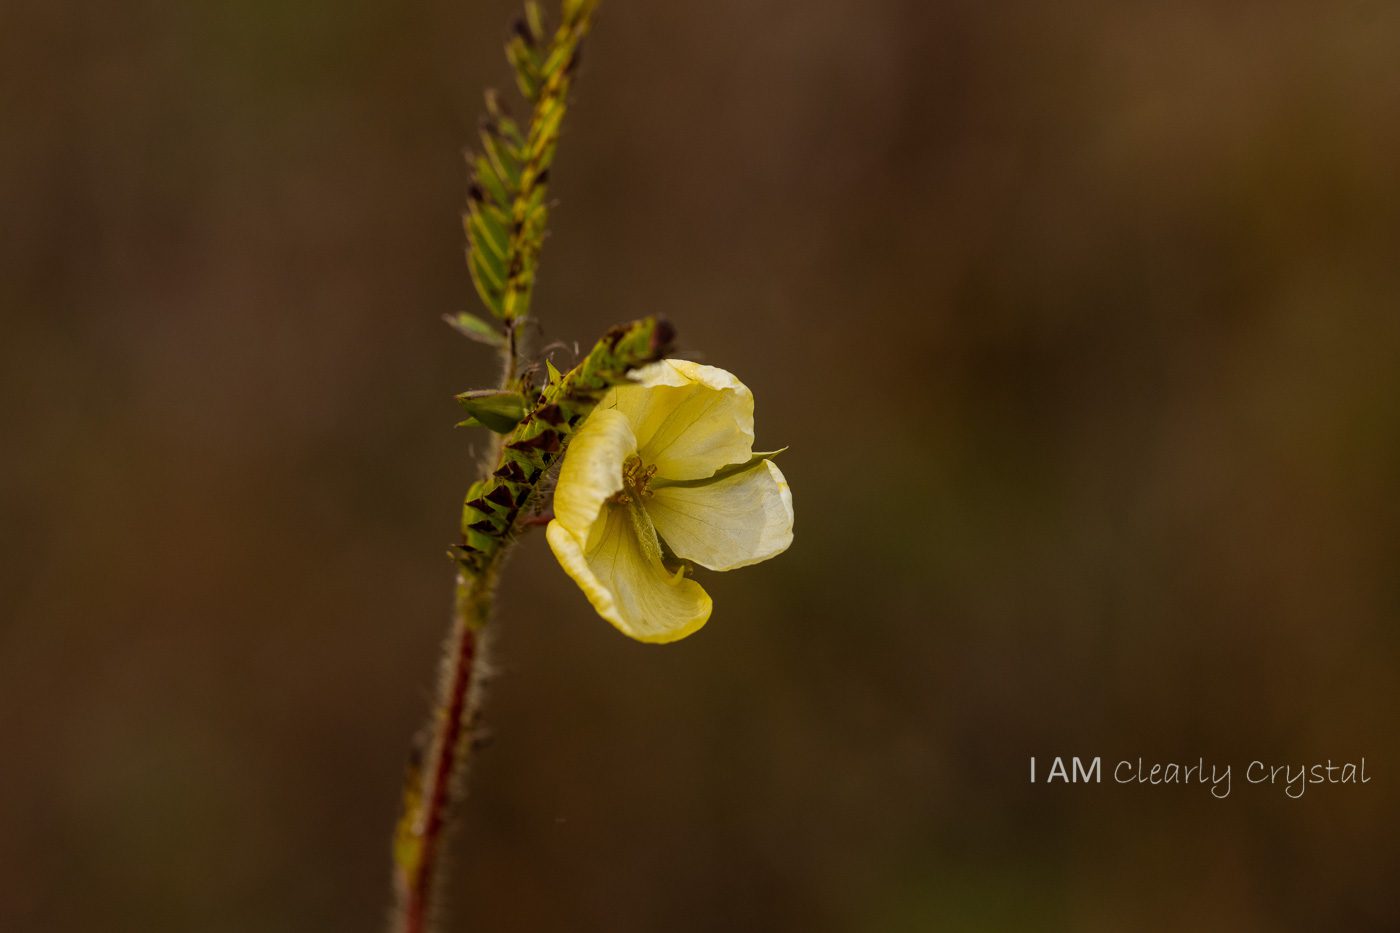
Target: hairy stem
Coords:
[[423, 829]]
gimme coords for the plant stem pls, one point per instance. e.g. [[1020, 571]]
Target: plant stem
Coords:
[[422, 831]]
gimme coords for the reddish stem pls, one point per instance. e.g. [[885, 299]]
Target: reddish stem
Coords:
[[425, 819]]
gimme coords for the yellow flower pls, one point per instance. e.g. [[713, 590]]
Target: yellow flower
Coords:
[[660, 475]]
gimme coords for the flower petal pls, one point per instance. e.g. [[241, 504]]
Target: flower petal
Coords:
[[592, 470], [733, 523], [626, 582], [689, 419]]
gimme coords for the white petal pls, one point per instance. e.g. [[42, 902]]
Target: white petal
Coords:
[[627, 583], [592, 469], [689, 419], [733, 523]]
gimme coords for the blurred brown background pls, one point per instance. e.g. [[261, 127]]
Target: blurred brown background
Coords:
[[1080, 320]]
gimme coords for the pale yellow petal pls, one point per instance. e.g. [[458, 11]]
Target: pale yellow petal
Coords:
[[626, 582], [733, 523], [689, 419], [592, 469]]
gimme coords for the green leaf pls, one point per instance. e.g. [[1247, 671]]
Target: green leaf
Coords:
[[474, 328], [488, 179], [493, 409], [483, 230], [487, 267], [533, 19], [502, 161]]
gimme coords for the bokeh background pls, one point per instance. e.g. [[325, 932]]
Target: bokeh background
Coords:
[[1080, 320]]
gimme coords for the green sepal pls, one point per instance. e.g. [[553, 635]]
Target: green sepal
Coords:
[[477, 541], [474, 328], [723, 473], [494, 409]]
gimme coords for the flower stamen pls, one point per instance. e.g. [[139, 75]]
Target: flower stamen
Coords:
[[636, 482]]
